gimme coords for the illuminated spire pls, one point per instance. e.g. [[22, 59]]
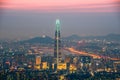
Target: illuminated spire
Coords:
[[57, 25]]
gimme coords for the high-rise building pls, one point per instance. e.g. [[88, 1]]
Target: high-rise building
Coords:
[[85, 62], [37, 62], [57, 44]]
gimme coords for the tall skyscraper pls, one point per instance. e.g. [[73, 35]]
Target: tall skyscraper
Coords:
[[57, 44], [38, 60]]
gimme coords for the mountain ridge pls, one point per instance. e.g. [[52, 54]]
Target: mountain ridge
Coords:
[[49, 40]]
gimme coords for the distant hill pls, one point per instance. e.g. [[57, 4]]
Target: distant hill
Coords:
[[113, 37], [72, 37], [49, 40], [43, 40], [110, 37]]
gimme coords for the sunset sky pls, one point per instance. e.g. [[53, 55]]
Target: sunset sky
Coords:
[[30, 18], [61, 5]]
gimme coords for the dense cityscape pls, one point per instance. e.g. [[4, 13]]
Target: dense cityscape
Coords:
[[44, 58]]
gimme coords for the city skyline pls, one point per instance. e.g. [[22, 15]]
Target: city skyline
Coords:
[[26, 19], [59, 40]]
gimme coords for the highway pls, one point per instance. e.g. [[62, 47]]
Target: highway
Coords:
[[95, 56]]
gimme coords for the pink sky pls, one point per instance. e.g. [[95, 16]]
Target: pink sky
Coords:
[[61, 5]]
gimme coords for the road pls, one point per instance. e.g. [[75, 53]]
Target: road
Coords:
[[95, 56]]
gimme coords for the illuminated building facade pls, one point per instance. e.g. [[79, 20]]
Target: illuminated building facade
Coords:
[[62, 66], [37, 62], [44, 65]]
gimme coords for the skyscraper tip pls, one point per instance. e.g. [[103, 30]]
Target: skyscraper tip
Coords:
[[57, 21], [57, 25]]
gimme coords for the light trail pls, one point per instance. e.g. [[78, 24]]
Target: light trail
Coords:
[[95, 56]]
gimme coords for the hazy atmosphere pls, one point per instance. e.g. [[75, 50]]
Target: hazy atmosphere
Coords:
[[59, 39], [25, 19]]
